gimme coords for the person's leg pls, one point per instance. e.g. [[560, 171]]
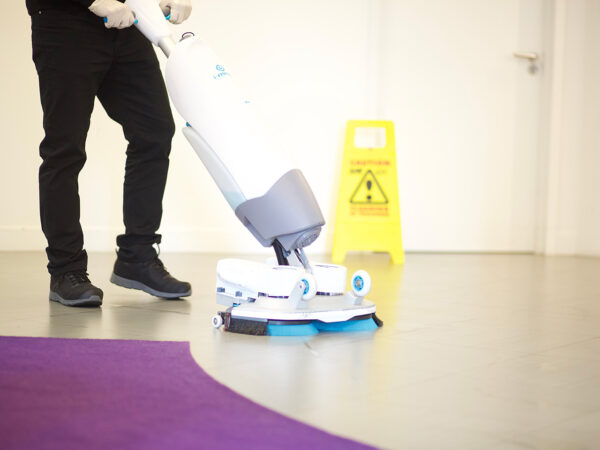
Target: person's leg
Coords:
[[134, 94], [70, 67]]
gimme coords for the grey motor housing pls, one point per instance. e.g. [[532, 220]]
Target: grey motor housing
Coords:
[[288, 212]]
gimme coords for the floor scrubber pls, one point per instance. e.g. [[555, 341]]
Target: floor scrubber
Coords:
[[291, 296]]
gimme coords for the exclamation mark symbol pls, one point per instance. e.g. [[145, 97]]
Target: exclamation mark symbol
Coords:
[[369, 186]]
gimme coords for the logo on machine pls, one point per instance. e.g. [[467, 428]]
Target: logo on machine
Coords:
[[221, 72]]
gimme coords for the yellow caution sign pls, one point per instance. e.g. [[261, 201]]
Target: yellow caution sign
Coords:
[[368, 211]]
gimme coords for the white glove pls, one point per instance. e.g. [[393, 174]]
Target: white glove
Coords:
[[116, 14], [179, 9]]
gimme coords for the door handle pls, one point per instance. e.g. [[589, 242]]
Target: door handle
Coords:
[[532, 57]]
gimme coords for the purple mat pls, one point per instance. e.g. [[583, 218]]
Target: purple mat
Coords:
[[74, 393]]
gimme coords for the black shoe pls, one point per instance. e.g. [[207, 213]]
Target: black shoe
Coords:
[[74, 289], [151, 277]]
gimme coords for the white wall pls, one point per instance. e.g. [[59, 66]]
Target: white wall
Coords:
[[302, 63], [309, 66], [571, 207]]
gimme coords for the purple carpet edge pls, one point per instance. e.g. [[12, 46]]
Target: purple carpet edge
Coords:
[[70, 393]]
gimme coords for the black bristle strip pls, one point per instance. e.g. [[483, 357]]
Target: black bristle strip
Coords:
[[377, 320], [244, 326]]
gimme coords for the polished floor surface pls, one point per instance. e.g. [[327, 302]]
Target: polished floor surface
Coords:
[[477, 351]]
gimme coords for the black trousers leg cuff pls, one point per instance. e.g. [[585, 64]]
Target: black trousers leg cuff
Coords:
[[137, 248]]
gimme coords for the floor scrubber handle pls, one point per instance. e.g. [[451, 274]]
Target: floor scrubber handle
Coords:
[[150, 20]]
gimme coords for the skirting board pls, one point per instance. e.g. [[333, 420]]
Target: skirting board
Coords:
[[189, 240], [212, 240]]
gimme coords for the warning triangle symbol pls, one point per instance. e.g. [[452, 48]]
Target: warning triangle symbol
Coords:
[[368, 191]]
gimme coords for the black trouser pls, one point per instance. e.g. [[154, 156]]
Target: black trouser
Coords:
[[78, 59]]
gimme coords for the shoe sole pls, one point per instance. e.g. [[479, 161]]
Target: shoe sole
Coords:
[[132, 284], [92, 300]]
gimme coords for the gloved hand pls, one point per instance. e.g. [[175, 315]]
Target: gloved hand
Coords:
[[179, 9], [118, 15]]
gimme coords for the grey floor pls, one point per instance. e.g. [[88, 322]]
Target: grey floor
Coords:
[[477, 351]]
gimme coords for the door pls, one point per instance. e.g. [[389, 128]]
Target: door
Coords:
[[466, 112]]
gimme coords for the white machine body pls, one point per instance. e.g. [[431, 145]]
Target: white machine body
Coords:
[[322, 309], [263, 291], [204, 93], [271, 198], [245, 281]]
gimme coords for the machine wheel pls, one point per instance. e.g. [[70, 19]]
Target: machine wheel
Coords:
[[217, 321], [361, 283], [310, 286]]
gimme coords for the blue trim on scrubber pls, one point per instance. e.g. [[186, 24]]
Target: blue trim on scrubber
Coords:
[[358, 283], [307, 329], [305, 281], [352, 325], [310, 329], [106, 20]]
